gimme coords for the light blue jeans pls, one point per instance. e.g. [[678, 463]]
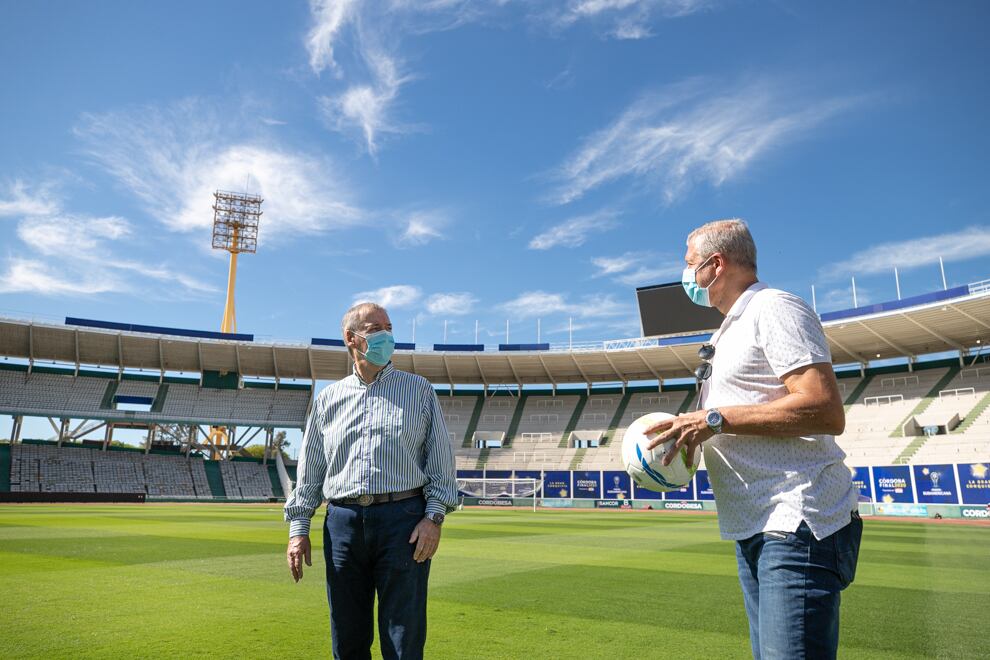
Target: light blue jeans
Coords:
[[791, 584]]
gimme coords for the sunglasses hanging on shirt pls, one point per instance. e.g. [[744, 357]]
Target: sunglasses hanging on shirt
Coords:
[[704, 370]]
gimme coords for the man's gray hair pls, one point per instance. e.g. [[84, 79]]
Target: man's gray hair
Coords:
[[730, 238], [353, 316]]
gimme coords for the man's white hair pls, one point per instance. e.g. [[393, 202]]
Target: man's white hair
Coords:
[[730, 238], [353, 317]]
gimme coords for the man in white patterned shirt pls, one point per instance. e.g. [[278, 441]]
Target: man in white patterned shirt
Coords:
[[768, 409], [376, 449]]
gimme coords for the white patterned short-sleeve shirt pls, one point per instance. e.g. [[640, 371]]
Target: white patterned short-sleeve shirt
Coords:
[[771, 483]]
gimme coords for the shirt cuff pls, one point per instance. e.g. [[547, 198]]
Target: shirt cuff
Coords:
[[435, 506], [299, 527]]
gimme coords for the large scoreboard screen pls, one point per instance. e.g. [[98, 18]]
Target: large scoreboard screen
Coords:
[[664, 309]]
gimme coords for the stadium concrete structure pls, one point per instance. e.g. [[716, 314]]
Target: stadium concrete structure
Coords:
[[511, 410]]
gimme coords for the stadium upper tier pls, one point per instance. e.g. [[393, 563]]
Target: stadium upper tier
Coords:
[[51, 392], [955, 319]]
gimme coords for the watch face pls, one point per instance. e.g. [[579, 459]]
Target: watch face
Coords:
[[714, 418], [437, 518]]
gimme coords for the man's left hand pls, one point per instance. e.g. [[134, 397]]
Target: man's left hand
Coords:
[[690, 430], [426, 536]]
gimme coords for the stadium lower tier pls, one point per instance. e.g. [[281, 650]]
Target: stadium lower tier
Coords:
[[47, 468]]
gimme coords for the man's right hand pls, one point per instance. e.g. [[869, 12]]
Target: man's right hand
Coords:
[[298, 549]]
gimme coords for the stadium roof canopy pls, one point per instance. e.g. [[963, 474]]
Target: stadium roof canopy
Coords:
[[956, 319]]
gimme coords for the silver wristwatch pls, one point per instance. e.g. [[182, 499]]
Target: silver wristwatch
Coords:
[[714, 420], [435, 518]]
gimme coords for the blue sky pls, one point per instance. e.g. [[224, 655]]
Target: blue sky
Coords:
[[482, 161]]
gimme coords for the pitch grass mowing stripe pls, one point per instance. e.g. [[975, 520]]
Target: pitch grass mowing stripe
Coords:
[[210, 581]]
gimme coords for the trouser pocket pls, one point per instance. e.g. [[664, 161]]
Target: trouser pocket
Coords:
[[847, 542]]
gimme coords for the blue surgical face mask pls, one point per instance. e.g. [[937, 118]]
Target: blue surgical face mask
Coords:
[[689, 280], [381, 345]]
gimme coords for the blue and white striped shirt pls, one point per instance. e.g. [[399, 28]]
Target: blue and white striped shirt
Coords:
[[363, 438]]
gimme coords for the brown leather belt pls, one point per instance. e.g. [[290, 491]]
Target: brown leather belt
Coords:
[[380, 498]]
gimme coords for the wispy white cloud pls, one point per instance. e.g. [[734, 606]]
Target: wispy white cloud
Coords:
[[969, 243], [622, 19], [21, 199], [329, 19], [360, 44], [450, 304], [646, 275], [532, 304], [368, 106], [65, 235], [574, 232], [67, 253], [842, 298], [174, 158], [368, 36], [614, 265], [563, 80], [397, 296], [637, 268], [403, 296], [422, 227], [691, 133], [38, 277]]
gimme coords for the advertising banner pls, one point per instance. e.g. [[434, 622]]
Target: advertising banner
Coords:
[[977, 512], [686, 493], [495, 501], [936, 484], [557, 484], [974, 483], [703, 485], [587, 484], [641, 493], [525, 490], [861, 480], [616, 485], [896, 509], [469, 474], [893, 484], [611, 504], [684, 506]]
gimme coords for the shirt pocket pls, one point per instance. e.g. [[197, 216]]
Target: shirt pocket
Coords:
[[395, 424]]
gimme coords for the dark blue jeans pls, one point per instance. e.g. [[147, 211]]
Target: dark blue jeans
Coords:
[[367, 550], [791, 585]]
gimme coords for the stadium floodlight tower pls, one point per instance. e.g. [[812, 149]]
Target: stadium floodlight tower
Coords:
[[235, 229]]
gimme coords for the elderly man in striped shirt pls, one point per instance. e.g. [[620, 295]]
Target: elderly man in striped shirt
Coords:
[[376, 449]]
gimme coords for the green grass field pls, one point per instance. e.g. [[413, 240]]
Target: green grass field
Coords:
[[210, 580]]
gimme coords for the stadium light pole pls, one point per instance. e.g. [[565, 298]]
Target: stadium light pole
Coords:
[[855, 302], [897, 281], [235, 229], [941, 267], [814, 301]]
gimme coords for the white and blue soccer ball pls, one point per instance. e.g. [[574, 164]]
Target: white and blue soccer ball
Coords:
[[646, 467]]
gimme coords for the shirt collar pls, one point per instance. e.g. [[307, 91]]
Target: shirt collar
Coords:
[[738, 307], [384, 373]]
